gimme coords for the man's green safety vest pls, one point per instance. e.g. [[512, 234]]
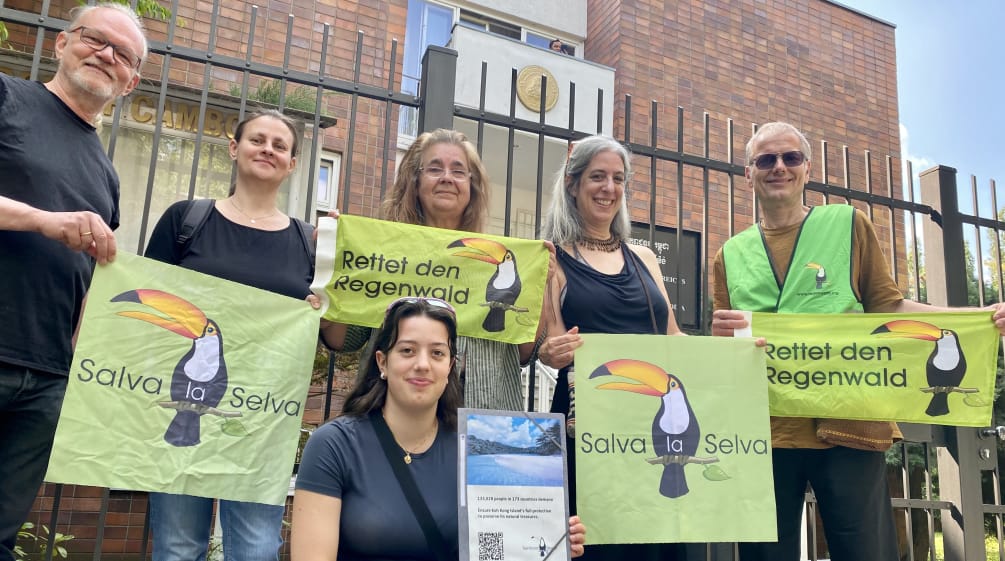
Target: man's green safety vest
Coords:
[[819, 275]]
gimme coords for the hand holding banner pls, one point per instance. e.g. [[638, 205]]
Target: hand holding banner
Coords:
[[495, 283], [934, 368], [185, 383]]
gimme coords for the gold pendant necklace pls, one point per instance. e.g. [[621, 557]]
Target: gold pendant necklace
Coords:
[[408, 455], [274, 212]]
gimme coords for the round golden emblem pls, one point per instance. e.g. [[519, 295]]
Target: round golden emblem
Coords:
[[528, 88]]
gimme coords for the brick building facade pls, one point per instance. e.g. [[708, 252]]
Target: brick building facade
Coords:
[[827, 69]]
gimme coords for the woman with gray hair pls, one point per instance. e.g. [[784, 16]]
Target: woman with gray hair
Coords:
[[602, 285]]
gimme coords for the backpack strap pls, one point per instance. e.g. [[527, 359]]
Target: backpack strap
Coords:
[[306, 234], [195, 216], [198, 212]]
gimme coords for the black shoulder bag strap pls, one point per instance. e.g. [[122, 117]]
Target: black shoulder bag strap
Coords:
[[637, 261], [408, 486]]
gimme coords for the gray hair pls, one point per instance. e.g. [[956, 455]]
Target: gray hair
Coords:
[[563, 224], [78, 12], [777, 127]]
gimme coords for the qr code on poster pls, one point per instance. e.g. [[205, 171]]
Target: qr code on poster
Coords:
[[490, 546]]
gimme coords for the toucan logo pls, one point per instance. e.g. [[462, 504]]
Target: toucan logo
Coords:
[[199, 380], [504, 285], [675, 430], [821, 277], [946, 365]]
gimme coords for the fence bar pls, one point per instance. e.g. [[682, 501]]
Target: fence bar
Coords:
[[962, 526], [351, 137]]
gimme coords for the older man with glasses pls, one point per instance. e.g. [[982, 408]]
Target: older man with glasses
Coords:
[[59, 202], [843, 461]]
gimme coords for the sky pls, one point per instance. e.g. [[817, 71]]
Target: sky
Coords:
[[951, 85]]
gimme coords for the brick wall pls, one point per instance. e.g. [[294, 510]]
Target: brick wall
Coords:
[[380, 21], [828, 70]]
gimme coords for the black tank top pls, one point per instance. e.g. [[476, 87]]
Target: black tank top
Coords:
[[601, 303]]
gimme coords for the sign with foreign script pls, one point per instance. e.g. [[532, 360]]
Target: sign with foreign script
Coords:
[[185, 383], [681, 270], [512, 500], [672, 440], [496, 284], [935, 368]]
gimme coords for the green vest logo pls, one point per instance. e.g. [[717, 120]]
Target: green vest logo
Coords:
[[821, 277]]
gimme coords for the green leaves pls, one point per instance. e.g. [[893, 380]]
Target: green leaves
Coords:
[[714, 473], [975, 400], [234, 427]]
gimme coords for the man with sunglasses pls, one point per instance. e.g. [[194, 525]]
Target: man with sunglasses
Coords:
[[763, 269], [824, 259], [59, 202]]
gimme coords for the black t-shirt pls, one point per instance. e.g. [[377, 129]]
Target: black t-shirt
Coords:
[[53, 160], [276, 261], [344, 459]]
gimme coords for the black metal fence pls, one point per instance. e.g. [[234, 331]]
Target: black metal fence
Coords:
[[959, 501]]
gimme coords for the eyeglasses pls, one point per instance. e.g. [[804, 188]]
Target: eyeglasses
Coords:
[[98, 42], [437, 173], [433, 302], [790, 159]]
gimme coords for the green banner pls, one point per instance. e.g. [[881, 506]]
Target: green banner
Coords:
[[185, 383], [936, 368], [672, 440], [496, 284]]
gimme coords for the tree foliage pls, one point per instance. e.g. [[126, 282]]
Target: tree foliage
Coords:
[[268, 92], [145, 9]]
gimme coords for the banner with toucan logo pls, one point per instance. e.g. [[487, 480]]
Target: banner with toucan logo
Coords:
[[934, 368], [672, 440], [496, 284], [185, 383]]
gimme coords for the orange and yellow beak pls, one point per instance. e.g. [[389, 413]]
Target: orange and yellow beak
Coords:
[[480, 249], [182, 317], [651, 379], [909, 328]]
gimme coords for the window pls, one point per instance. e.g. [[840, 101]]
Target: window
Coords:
[[327, 187], [492, 25], [427, 24], [538, 40]]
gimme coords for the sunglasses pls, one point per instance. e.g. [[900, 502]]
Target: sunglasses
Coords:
[[432, 302], [790, 159]]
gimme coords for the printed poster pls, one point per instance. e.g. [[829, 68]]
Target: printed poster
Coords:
[[934, 368], [672, 440], [512, 499], [495, 283], [185, 383]]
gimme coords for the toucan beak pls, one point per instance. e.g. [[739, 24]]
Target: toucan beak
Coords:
[[652, 380], [909, 328], [480, 249], [182, 317]]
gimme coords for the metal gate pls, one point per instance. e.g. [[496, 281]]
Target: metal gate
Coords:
[[945, 480]]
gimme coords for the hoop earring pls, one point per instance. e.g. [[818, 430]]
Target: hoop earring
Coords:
[[383, 376]]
